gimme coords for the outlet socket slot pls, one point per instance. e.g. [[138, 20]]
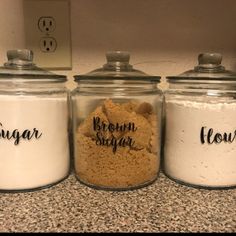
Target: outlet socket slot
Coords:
[[46, 24], [48, 44]]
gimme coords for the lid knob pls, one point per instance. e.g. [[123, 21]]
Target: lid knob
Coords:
[[209, 62], [117, 61], [20, 58], [118, 56], [210, 58], [20, 54]]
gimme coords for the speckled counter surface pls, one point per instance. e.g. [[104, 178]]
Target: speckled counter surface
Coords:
[[162, 207]]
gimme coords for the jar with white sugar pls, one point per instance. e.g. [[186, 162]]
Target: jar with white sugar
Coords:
[[34, 146], [200, 132]]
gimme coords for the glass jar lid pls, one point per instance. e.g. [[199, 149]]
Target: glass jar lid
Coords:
[[209, 68], [117, 68], [20, 66]]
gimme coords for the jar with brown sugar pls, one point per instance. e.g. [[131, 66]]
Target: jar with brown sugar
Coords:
[[117, 126]]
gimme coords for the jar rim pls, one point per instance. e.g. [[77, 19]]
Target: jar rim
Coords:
[[218, 80], [36, 78], [83, 78]]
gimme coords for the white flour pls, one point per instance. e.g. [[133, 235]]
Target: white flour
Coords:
[[186, 158], [39, 161]]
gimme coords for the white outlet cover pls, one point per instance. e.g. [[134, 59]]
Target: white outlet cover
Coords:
[[59, 10]]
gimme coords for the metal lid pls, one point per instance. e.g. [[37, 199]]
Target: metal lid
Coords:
[[20, 65], [209, 68], [117, 68]]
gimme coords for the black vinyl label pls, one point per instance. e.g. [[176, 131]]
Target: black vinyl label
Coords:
[[18, 136], [209, 136], [103, 130]]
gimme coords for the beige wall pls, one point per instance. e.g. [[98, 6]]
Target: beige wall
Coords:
[[163, 36]]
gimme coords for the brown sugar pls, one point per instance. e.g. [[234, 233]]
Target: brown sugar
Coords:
[[143, 134], [155, 137], [117, 146], [130, 106], [144, 109], [86, 127]]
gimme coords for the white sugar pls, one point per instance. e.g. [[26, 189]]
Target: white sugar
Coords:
[[38, 160]]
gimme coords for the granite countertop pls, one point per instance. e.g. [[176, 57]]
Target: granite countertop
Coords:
[[162, 207]]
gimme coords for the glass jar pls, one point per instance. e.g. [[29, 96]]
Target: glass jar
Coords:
[[200, 132], [117, 123], [34, 147]]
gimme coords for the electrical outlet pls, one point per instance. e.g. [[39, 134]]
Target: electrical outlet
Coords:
[[47, 32], [48, 44], [47, 24]]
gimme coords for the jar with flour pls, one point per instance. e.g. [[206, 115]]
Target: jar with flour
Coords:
[[34, 147], [200, 133]]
